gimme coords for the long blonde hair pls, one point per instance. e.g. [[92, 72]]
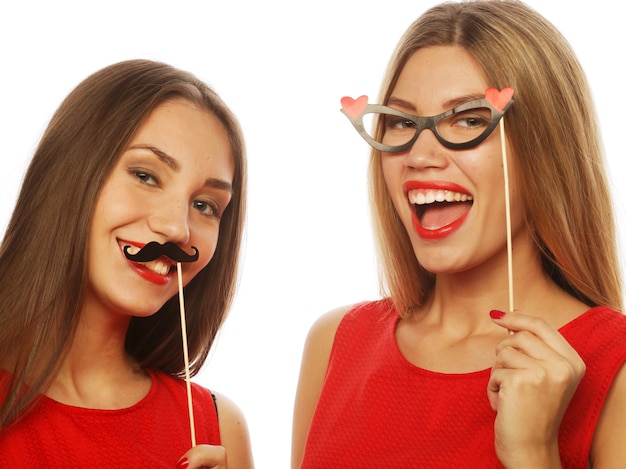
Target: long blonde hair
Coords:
[[552, 129]]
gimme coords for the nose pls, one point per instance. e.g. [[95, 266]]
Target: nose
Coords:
[[426, 152], [170, 220]]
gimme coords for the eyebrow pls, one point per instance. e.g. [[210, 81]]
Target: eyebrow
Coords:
[[164, 157], [219, 184], [171, 162], [449, 104]]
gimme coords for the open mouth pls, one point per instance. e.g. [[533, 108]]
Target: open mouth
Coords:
[[160, 266], [439, 211]]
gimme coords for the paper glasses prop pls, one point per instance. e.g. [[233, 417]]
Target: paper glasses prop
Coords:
[[150, 252], [460, 128]]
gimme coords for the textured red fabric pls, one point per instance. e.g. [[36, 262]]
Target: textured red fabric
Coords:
[[378, 410], [153, 433]]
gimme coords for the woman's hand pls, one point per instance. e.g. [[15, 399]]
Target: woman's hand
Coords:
[[534, 377], [203, 456]]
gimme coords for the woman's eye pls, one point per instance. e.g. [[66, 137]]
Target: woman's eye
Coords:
[[145, 177], [399, 123], [472, 118], [471, 122], [206, 208]]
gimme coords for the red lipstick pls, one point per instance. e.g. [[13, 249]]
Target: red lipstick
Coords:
[[142, 270], [149, 275], [426, 187]]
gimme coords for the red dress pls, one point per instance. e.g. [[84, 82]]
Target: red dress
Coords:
[[378, 410], [153, 433]]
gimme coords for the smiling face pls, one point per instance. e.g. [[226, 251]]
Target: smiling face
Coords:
[[172, 183], [451, 202]]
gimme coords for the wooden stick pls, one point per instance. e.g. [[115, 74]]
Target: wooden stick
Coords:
[[507, 200], [183, 326]]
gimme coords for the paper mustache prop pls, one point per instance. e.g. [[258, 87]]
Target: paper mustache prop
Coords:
[[153, 250]]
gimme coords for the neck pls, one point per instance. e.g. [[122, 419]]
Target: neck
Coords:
[[463, 300], [97, 372]]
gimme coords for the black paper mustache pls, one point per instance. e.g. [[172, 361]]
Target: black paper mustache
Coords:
[[153, 250]]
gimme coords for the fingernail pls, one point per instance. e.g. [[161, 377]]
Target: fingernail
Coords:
[[496, 314], [182, 464]]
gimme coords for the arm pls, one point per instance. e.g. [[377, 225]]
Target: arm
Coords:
[[315, 357], [234, 434], [608, 449], [235, 452]]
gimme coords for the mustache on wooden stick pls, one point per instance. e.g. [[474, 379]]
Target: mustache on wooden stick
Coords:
[[153, 250]]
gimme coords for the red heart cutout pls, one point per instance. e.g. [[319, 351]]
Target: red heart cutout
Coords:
[[354, 107], [499, 99]]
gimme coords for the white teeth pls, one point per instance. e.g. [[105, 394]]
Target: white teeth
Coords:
[[420, 197], [160, 267]]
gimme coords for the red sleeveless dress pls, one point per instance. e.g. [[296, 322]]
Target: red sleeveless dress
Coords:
[[153, 433], [378, 410]]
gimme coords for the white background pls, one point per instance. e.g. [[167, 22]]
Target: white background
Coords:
[[282, 66]]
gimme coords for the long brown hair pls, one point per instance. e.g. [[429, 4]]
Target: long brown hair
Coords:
[[553, 133], [43, 279]]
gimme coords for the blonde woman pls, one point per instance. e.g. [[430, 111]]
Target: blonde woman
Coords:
[[442, 372]]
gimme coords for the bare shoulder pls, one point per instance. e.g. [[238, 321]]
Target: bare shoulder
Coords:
[[322, 332], [317, 349], [319, 340], [608, 449], [234, 433]]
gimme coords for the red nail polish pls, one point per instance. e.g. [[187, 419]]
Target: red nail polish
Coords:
[[182, 464], [496, 314]]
